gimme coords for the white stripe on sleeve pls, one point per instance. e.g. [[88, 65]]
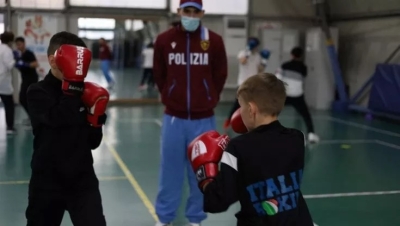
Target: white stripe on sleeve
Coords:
[[230, 160]]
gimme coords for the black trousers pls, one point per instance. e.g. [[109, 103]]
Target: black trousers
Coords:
[[22, 93], [8, 103], [147, 77], [299, 103], [51, 196]]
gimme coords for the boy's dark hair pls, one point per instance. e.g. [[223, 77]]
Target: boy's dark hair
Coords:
[[19, 39], [266, 91], [297, 52], [7, 37], [62, 38]]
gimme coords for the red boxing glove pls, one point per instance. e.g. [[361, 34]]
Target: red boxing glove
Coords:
[[237, 123], [96, 99], [73, 62], [204, 153]]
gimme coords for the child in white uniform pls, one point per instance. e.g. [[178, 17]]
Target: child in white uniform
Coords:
[[147, 77], [251, 62]]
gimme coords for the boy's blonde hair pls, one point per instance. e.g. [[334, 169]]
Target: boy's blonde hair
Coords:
[[266, 91]]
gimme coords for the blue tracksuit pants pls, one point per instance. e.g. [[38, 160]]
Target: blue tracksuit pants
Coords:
[[176, 136], [105, 67]]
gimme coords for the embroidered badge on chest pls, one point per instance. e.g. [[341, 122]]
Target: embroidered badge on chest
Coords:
[[205, 44]]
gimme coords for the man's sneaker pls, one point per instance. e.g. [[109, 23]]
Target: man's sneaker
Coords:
[[162, 224], [143, 87], [313, 138]]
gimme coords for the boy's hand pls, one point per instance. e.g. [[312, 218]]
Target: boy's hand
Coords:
[[204, 153], [96, 99], [73, 62]]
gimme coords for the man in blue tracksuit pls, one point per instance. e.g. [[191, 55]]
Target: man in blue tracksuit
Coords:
[[190, 70]]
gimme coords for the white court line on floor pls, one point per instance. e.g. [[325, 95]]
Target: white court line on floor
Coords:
[[158, 122], [387, 144], [361, 126], [152, 120], [351, 141], [346, 141], [354, 124], [351, 194]]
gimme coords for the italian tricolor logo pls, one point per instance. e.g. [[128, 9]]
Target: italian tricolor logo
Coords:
[[270, 207]]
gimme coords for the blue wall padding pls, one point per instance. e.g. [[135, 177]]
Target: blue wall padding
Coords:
[[385, 91]]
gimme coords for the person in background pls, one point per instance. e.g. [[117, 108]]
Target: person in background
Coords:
[[105, 62], [147, 77], [293, 74], [251, 62], [7, 63], [190, 70], [26, 63]]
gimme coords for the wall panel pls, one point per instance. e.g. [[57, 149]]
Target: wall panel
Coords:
[[143, 4], [219, 7], [38, 4], [60, 18], [283, 8], [257, 24], [363, 44]]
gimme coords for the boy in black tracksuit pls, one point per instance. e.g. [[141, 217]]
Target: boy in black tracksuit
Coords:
[[263, 168], [63, 177], [293, 73], [26, 63]]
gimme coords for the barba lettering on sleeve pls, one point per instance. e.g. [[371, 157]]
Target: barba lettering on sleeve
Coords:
[[194, 59], [79, 60]]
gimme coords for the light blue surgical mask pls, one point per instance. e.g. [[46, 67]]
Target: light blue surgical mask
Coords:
[[190, 23]]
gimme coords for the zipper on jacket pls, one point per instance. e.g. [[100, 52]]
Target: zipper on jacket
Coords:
[[171, 88], [207, 89], [188, 72]]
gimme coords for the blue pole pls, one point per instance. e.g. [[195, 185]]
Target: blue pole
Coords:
[[336, 70]]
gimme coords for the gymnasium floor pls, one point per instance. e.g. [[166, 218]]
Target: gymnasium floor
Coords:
[[127, 83], [351, 177]]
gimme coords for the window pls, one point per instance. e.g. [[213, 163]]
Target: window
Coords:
[[95, 35], [1, 28], [143, 4], [38, 4], [96, 23], [138, 25], [223, 7], [128, 25]]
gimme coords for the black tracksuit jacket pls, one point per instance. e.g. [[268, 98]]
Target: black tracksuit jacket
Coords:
[[63, 140], [262, 170]]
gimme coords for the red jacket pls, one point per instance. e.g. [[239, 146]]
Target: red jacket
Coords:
[[190, 90], [105, 53]]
